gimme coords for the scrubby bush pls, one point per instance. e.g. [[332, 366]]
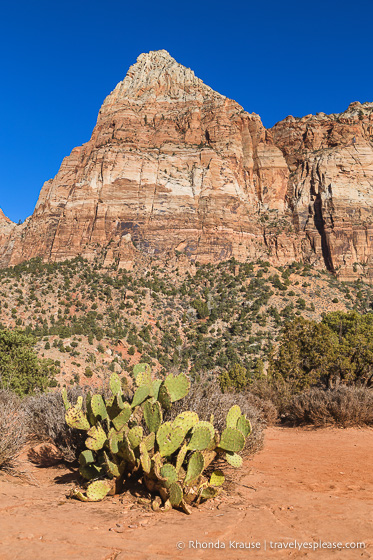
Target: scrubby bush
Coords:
[[12, 429], [233, 378], [338, 349], [201, 307], [45, 415], [344, 406], [275, 391], [21, 371]]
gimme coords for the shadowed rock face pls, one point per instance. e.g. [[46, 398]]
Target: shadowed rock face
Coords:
[[174, 166], [330, 159]]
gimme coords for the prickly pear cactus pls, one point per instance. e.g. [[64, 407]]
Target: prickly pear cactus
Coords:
[[172, 457]]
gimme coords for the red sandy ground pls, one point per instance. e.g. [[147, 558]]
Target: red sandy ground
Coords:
[[306, 485]]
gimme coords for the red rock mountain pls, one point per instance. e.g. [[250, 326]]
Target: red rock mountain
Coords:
[[174, 167]]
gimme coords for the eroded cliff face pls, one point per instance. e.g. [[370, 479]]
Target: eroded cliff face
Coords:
[[173, 167], [330, 160]]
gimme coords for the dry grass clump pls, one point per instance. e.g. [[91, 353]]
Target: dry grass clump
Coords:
[[276, 391], [206, 399], [13, 432], [46, 423], [265, 406], [343, 406]]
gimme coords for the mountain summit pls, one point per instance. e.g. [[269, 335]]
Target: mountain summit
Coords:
[[174, 170], [157, 76]]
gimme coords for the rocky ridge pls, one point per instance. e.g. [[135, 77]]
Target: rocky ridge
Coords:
[[175, 170]]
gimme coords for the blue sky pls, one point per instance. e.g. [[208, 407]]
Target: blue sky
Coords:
[[60, 60]]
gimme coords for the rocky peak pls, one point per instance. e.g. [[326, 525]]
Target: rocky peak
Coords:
[[355, 111], [157, 76], [4, 219], [175, 170]]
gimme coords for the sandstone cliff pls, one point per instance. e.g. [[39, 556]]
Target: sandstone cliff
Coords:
[[173, 167], [330, 159]]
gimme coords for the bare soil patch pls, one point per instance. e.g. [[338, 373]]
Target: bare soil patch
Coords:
[[304, 486]]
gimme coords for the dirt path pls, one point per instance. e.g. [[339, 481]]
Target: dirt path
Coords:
[[305, 486]]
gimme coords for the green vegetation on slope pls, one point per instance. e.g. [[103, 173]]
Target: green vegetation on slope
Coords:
[[21, 371], [202, 320]]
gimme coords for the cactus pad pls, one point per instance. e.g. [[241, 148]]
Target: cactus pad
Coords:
[[186, 507], [208, 457], [142, 374], [169, 439], [115, 384], [244, 426], [97, 490], [201, 438], [86, 457], [204, 424], [152, 415], [96, 439], [135, 436], [169, 473], [78, 495], [126, 451], [122, 418], [234, 460], [181, 456], [115, 405], [186, 420], [195, 468], [176, 494], [75, 418], [209, 493], [156, 504], [155, 386], [217, 478], [140, 395], [167, 506], [164, 397], [144, 458], [109, 401], [90, 471], [233, 415], [232, 440], [112, 468], [66, 402], [178, 386], [114, 440], [79, 402], [149, 441], [98, 407]]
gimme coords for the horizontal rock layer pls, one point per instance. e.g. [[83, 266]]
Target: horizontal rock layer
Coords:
[[173, 167]]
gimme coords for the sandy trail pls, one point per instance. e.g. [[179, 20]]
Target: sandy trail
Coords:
[[305, 486]]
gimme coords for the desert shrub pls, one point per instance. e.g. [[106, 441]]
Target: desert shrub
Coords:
[[338, 349], [20, 369], [46, 422], [12, 429], [343, 406], [265, 407], [276, 391], [201, 307], [206, 399], [233, 378], [307, 351]]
